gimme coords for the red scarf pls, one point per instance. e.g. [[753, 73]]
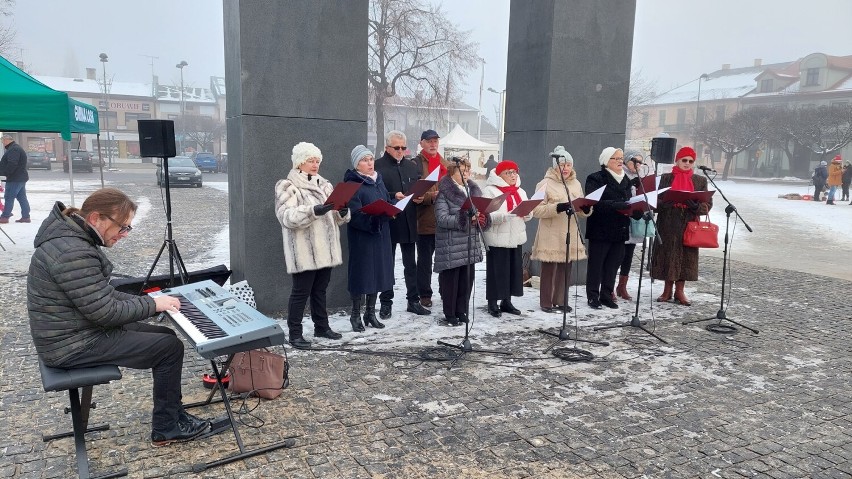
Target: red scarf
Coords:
[[435, 162], [513, 198], [682, 180]]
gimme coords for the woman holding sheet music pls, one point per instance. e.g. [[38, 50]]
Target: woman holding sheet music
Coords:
[[673, 262], [504, 263], [554, 214], [370, 253]]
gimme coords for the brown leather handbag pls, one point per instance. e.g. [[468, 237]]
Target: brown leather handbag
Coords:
[[259, 372]]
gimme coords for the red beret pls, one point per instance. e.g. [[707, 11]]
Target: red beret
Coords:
[[684, 152], [506, 165]]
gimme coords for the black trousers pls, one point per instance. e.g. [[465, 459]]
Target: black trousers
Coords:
[[425, 251], [454, 286], [604, 259], [818, 187], [627, 261], [314, 284], [409, 272], [844, 188], [504, 273], [143, 346]]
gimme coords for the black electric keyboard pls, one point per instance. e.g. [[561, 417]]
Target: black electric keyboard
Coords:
[[216, 323]]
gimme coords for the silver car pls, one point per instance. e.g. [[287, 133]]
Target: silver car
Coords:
[[182, 172]]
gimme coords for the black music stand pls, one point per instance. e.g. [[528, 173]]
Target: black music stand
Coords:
[[721, 314], [175, 259], [465, 347]]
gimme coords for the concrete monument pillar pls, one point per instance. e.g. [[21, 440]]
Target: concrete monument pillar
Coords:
[[294, 71]]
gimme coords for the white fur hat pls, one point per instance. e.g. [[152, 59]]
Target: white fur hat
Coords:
[[606, 154], [302, 152], [560, 155]]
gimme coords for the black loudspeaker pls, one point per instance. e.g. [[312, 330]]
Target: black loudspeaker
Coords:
[[663, 149], [157, 139]]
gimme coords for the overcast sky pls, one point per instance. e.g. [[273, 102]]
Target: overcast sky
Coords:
[[675, 40]]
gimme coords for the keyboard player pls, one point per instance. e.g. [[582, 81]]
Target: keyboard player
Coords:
[[78, 320]]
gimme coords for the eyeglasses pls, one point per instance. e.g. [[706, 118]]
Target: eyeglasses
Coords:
[[687, 161], [397, 148], [510, 173], [617, 158], [123, 229]]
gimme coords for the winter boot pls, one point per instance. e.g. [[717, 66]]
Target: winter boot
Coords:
[[493, 309], [621, 289], [667, 292], [507, 307], [679, 295], [355, 319], [370, 318]]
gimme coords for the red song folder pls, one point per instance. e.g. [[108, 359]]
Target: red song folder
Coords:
[[590, 199], [421, 186], [382, 207], [484, 205], [342, 193], [525, 207], [677, 196], [648, 184]]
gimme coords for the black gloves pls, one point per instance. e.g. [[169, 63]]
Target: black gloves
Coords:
[[637, 215], [619, 205], [320, 210], [693, 205], [343, 212], [565, 208], [586, 209]]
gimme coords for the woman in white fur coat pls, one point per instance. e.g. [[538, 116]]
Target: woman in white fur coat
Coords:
[[311, 240], [504, 264]]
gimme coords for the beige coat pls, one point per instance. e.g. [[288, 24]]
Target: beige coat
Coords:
[[549, 245]]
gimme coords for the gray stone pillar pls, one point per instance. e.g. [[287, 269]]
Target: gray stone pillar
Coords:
[[294, 71], [567, 84]]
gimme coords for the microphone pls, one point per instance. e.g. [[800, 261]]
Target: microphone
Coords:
[[637, 162], [706, 169], [456, 159], [554, 155]]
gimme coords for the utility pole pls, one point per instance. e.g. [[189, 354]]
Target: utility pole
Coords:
[[153, 87]]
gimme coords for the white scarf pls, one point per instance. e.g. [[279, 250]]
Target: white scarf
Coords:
[[618, 177]]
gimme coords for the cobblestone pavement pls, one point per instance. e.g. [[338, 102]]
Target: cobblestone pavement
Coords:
[[774, 404]]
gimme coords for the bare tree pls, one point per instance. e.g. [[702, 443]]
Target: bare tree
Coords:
[[735, 134], [642, 92], [415, 51], [202, 130], [7, 32], [823, 130]]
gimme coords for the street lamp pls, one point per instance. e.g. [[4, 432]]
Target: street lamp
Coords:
[[502, 120], [180, 66], [104, 59], [703, 76], [479, 111]]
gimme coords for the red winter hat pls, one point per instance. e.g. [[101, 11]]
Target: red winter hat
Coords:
[[506, 165], [837, 159], [684, 152]]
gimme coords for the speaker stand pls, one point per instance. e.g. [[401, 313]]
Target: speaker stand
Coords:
[[175, 259]]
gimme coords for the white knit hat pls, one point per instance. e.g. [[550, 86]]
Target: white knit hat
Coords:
[[358, 153], [560, 155], [606, 154], [304, 151]]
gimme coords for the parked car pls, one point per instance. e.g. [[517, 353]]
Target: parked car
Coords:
[[205, 161], [38, 159], [82, 161], [182, 171]]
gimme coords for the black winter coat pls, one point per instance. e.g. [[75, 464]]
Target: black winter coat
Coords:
[[606, 223], [13, 165], [398, 178], [70, 301], [370, 254]]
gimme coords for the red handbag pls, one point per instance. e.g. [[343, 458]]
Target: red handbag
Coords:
[[701, 234]]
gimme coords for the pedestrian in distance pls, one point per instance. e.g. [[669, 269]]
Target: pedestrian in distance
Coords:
[[846, 180], [310, 230], [13, 165], [835, 178], [819, 178]]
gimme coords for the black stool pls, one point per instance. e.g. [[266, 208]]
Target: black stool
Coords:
[[56, 379]]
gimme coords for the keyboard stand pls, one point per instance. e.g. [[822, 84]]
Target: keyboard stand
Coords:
[[244, 454]]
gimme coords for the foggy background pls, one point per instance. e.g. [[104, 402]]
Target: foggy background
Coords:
[[675, 40]]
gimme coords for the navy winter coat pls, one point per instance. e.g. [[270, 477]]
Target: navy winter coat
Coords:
[[606, 223], [370, 255]]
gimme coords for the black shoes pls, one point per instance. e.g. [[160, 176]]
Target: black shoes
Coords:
[[416, 308], [452, 320], [507, 307], [385, 310], [327, 333], [301, 343], [608, 302], [556, 309], [462, 317], [493, 310], [595, 304], [188, 427], [371, 320]]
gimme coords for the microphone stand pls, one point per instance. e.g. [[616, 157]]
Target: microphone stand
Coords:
[[465, 347], [175, 259], [648, 216], [721, 314], [563, 334]]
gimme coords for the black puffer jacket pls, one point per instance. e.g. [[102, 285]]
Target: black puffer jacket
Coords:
[[453, 230], [605, 222], [70, 301]]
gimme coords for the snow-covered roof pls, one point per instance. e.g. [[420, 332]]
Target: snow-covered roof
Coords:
[[217, 86], [168, 93], [82, 85], [719, 85]]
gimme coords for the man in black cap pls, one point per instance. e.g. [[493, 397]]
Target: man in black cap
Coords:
[[399, 174], [427, 160]]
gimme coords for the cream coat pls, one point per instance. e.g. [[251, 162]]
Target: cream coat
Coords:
[[507, 231], [311, 242], [549, 245]]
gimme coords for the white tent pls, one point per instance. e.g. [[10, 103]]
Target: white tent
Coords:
[[459, 142]]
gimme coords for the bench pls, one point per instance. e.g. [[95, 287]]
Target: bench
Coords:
[[73, 380]]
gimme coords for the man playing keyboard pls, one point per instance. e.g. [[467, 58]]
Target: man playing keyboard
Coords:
[[78, 320]]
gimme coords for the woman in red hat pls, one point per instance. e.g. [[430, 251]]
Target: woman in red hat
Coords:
[[504, 264], [673, 262]]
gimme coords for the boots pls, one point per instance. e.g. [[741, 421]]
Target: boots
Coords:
[[679, 295], [493, 309], [506, 306], [355, 319], [370, 318], [667, 292], [621, 289]]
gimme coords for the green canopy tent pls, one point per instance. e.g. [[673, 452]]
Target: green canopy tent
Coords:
[[26, 104]]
